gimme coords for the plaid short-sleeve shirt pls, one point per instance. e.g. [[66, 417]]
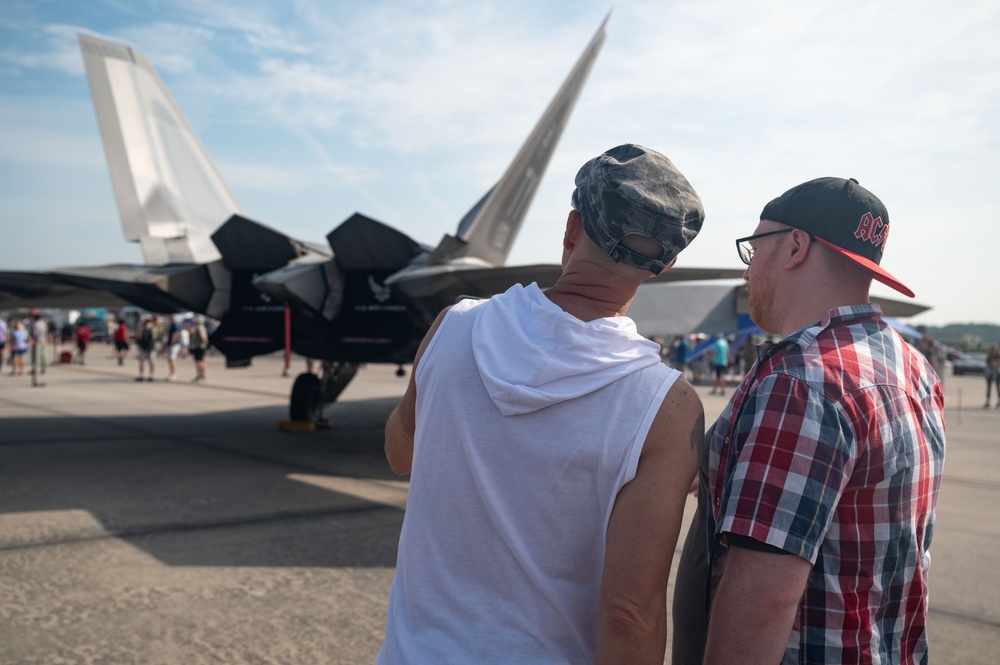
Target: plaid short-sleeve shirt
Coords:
[[832, 449]]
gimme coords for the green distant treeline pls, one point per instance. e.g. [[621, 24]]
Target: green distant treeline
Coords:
[[989, 332]]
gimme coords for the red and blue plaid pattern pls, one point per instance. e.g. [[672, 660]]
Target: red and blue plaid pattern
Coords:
[[832, 449]]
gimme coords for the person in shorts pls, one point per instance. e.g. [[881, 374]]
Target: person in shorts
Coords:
[[82, 341], [173, 347], [720, 363], [121, 341], [992, 374], [18, 347], [198, 345], [146, 344]]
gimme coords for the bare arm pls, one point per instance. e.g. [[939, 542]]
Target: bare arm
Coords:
[[643, 531], [754, 608], [402, 422]]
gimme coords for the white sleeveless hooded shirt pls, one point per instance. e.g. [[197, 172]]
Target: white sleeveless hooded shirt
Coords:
[[529, 421]]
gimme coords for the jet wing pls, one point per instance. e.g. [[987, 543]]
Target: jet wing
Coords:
[[696, 275], [39, 289], [433, 288], [666, 309], [903, 309], [164, 289]]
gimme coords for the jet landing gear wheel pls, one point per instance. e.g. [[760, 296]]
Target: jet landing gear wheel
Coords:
[[310, 393], [306, 404]]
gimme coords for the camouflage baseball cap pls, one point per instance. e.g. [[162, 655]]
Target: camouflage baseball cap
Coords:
[[632, 190]]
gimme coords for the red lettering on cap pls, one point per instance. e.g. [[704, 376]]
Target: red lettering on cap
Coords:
[[863, 232], [872, 229], [883, 236]]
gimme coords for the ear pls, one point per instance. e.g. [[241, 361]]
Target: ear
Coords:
[[574, 225], [797, 250], [670, 265]]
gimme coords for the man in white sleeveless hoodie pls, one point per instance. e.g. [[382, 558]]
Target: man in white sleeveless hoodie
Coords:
[[550, 450]]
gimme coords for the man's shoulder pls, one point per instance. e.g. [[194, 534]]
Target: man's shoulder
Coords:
[[834, 365], [681, 393], [680, 397], [679, 424]]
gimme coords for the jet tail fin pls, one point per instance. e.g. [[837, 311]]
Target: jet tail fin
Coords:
[[489, 229], [170, 195]]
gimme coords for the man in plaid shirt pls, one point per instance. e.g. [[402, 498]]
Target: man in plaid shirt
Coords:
[[825, 466]]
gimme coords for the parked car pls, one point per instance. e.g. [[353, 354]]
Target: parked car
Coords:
[[98, 328], [969, 363]]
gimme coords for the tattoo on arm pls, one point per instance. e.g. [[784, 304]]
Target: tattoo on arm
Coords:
[[698, 433]]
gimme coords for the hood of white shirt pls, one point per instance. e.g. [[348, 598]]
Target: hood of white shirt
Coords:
[[531, 354]]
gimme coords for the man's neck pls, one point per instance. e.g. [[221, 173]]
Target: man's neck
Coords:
[[589, 302], [815, 314]]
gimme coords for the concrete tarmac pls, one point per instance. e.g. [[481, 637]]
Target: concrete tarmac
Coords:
[[161, 523]]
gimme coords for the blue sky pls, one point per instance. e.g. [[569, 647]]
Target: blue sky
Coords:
[[409, 111]]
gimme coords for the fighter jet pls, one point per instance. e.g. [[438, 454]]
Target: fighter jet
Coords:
[[368, 296]]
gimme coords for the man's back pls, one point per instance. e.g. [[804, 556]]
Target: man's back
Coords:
[[550, 455], [40, 330], [537, 431], [19, 338], [199, 336], [147, 337]]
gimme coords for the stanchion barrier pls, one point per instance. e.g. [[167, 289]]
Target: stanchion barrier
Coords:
[[288, 339]]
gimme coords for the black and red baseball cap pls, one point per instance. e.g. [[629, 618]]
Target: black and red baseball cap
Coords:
[[842, 215]]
